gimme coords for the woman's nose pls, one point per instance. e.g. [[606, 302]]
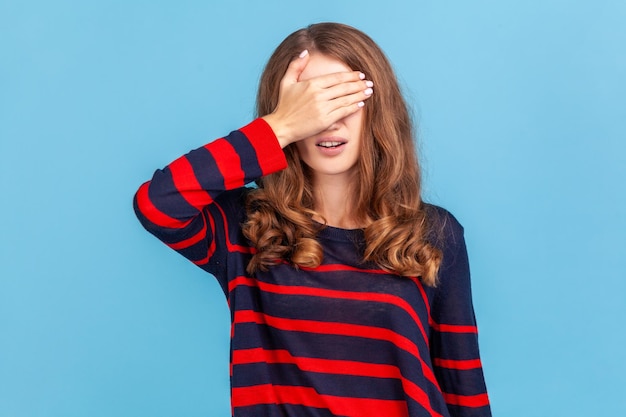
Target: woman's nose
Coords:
[[334, 126]]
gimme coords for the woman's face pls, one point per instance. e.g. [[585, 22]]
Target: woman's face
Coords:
[[335, 151]]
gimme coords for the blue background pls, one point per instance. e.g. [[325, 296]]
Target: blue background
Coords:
[[521, 115]]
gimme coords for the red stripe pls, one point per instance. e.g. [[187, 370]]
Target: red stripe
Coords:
[[153, 214], [472, 401], [331, 366], [342, 329], [183, 244], [344, 406], [228, 162], [270, 156], [462, 365], [420, 285], [447, 328], [454, 328], [232, 247], [212, 246], [187, 184], [340, 267], [320, 292]]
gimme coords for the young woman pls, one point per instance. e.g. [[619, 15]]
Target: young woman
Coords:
[[349, 296]]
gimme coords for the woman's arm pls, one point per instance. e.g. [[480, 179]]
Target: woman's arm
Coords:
[[193, 202], [454, 335]]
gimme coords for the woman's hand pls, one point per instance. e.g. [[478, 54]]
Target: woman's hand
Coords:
[[308, 107]]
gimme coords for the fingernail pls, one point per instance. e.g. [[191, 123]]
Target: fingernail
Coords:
[[361, 76], [368, 92], [360, 104], [303, 53], [369, 83]]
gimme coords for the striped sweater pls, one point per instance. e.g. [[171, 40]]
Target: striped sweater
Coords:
[[342, 339]]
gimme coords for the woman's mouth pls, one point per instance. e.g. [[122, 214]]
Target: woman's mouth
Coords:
[[330, 144]]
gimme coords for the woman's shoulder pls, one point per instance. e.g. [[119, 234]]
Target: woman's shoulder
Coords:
[[447, 234], [444, 230]]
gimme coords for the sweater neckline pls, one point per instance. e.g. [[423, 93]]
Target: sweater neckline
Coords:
[[341, 235]]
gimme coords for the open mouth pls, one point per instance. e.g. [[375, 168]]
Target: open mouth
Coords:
[[330, 144]]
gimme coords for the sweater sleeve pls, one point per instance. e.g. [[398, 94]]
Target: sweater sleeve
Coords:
[[194, 204], [454, 335]]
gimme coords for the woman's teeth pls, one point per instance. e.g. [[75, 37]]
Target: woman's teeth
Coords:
[[329, 144]]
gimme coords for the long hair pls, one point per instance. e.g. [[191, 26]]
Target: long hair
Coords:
[[387, 196]]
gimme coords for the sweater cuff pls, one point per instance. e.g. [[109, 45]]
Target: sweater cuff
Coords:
[[269, 153]]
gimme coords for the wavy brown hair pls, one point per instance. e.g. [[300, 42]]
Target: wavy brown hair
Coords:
[[387, 188]]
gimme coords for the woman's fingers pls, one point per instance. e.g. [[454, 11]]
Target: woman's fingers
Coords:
[[295, 68], [346, 105], [347, 89], [329, 80], [342, 90]]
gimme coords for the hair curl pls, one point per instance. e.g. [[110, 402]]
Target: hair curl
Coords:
[[279, 212]]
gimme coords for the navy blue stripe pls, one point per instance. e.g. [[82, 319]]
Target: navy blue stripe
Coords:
[[468, 382], [456, 346], [282, 410], [165, 197], [246, 153], [325, 384], [202, 162], [456, 410]]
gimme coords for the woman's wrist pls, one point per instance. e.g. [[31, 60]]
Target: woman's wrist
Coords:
[[280, 130]]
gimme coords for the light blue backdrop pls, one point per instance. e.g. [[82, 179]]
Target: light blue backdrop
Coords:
[[521, 111]]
